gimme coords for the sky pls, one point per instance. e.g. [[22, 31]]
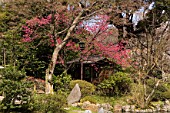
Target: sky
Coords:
[[137, 16]]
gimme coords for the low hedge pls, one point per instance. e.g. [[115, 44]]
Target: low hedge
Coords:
[[49, 103]]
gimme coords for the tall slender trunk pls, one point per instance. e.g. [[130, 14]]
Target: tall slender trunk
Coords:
[[50, 70], [58, 47]]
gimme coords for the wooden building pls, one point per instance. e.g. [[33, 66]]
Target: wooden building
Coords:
[[95, 68]]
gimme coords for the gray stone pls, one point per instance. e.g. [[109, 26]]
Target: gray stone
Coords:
[[158, 108], [74, 104], [77, 111], [164, 108], [101, 110], [98, 105], [154, 110], [136, 110], [67, 108], [1, 98], [168, 108], [85, 104], [74, 95], [126, 108], [89, 106], [149, 110], [117, 108], [132, 107], [106, 111], [167, 103], [87, 111], [1, 67], [142, 111], [106, 106], [17, 102]]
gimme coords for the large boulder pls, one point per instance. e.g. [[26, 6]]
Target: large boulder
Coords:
[[74, 95]]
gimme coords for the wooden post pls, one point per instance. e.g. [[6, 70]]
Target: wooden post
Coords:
[[91, 74], [81, 70]]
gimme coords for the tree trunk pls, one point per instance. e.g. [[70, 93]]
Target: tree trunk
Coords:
[[58, 47], [50, 70]]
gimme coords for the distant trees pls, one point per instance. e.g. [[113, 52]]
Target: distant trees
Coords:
[[150, 42]]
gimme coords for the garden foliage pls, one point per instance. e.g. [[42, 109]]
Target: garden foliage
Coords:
[[49, 103], [61, 82], [15, 89], [116, 84]]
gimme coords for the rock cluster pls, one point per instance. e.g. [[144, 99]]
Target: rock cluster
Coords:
[[159, 108], [105, 107]]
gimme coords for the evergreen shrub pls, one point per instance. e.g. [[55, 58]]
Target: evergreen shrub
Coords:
[[116, 84]]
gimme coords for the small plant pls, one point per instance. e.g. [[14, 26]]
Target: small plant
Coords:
[[86, 87]]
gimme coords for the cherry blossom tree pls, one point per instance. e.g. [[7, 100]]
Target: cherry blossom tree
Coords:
[[56, 29], [61, 25]]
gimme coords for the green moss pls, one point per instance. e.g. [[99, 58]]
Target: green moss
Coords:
[[89, 98]]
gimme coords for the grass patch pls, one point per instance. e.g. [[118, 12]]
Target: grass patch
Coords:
[[73, 109], [111, 100], [157, 103]]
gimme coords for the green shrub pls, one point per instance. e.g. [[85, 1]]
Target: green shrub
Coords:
[[89, 98], [86, 87], [15, 87], [116, 84], [61, 82], [52, 103]]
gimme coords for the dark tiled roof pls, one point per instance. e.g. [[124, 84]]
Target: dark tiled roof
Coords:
[[88, 60]]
